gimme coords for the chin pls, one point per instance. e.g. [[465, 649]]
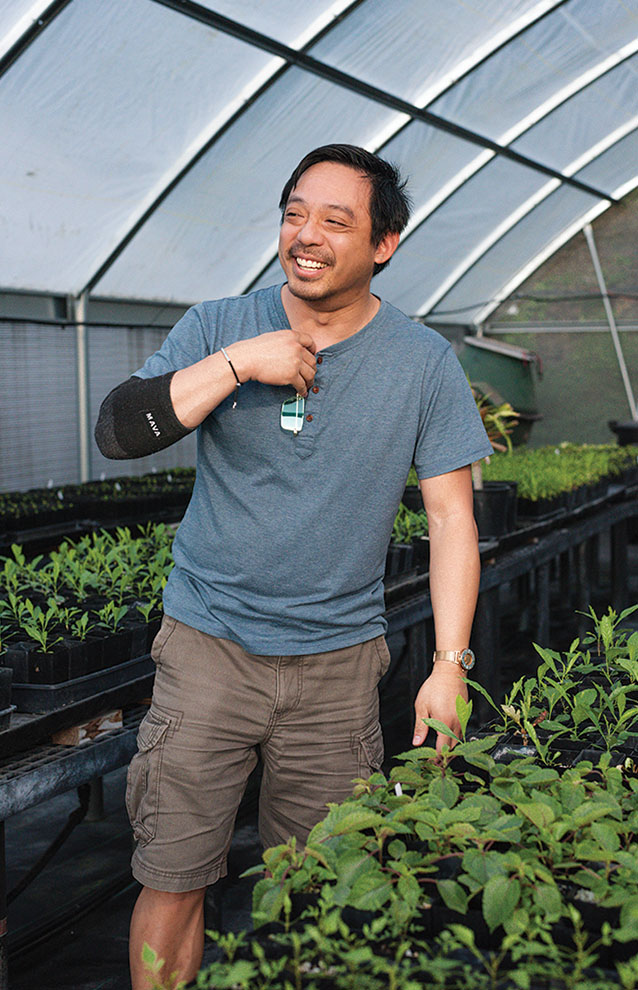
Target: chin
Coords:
[[308, 290]]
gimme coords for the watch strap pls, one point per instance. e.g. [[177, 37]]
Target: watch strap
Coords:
[[462, 658]]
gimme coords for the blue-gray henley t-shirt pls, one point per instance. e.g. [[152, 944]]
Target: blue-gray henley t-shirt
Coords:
[[282, 548]]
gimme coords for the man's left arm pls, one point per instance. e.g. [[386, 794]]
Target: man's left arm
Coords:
[[454, 583]]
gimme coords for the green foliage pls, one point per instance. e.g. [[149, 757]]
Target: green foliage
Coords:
[[549, 471], [496, 837], [40, 598], [409, 526]]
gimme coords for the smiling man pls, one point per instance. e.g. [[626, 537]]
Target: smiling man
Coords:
[[312, 399]]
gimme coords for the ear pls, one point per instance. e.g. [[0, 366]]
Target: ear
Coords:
[[386, 248]]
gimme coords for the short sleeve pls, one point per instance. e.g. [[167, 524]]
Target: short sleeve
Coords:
[[451, 433], [186, 344]]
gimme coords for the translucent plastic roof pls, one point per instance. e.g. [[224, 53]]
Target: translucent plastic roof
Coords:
[[146, 142]]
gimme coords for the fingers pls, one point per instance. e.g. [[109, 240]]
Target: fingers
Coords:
[[307, 364], [420, 730], [442, 741], [306, 341]]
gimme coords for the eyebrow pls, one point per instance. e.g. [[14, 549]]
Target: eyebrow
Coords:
[[328, 206]]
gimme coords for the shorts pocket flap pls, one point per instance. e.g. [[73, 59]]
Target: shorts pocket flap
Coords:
[[371, 743], [151, 730]]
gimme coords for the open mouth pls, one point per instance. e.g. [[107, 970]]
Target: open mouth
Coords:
[[309, 264]]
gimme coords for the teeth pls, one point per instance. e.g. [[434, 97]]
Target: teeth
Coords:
[[307, 263]]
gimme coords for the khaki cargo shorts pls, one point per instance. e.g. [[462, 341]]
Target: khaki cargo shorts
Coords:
[[314, 719]]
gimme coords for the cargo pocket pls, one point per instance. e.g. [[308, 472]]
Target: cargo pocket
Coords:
[[370, 750], [144, 772]]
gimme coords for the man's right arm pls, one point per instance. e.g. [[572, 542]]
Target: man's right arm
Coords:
[[142, 416]]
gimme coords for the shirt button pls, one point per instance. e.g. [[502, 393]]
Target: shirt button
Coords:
[[315, 389], [309, 417], [319, 359]]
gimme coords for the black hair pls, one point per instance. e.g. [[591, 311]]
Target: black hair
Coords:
[[389, 202]]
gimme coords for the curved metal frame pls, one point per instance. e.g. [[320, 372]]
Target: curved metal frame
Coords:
[[535, 262], [420, 215], [25, 31], [403, 120], [42, 13], [212, 133], [524, 209]]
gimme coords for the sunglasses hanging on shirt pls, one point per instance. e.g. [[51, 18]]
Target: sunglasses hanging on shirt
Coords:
[[292, 411]]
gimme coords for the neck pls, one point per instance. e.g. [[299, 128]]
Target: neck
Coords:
[[328, 325]]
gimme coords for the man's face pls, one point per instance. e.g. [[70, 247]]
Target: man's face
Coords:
[[325, 245]]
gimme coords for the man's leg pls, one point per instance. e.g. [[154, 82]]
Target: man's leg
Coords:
[[196, 749], [325, 732], [173, 925]]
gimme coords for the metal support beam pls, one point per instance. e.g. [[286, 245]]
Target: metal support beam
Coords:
[[28, 28], [591, 244], [309, 64], [77, 306]]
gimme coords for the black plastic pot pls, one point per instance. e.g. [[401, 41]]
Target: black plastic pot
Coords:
[[421, 554], [31, 666], [495, 508], [139, 636], [626, 433], [542, 508], [398, 559], [152, 629], [42, 698], [116, 648], [6, 676], [412, 498]]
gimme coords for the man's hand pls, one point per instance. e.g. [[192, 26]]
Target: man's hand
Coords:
[[437, 699], [281, 357]]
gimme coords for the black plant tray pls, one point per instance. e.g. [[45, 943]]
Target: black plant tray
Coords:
[[5, 716], [28, 730], [40, 698]]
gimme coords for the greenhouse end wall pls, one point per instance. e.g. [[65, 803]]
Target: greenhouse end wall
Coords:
[[580, 389]]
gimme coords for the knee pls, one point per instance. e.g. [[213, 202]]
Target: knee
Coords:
[[167, 902]]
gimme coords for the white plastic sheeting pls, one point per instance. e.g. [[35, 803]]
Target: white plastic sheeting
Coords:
[[144, 149]]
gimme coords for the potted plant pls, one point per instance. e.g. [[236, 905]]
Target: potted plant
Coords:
[[494, 502]]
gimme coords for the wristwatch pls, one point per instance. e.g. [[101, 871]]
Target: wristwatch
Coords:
[[464, 658]]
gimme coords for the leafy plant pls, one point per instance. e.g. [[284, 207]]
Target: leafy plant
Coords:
[[38, 624], [111, 615]]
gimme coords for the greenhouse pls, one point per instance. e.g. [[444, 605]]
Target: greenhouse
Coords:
[[319, 599]]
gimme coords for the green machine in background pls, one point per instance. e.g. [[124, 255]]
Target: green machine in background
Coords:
[[504, 373]]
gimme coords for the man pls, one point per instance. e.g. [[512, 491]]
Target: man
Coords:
[[313, 399]]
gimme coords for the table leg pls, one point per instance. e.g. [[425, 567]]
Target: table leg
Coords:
[[542, 605], [4, 974], [619, 572]]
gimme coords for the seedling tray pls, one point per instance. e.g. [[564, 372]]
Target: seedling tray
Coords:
[[5, 716], [41, 698]]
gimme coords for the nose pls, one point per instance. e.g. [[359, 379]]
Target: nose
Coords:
[[310, 232]]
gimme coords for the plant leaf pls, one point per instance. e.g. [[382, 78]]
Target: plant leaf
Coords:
[[500, 898]]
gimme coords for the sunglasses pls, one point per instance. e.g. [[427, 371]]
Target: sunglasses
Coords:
[[292, 411]]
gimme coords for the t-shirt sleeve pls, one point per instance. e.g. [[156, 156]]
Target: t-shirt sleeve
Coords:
[[187, 343], [451, 433]]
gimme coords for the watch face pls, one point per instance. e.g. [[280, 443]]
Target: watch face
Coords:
[[467, 659]]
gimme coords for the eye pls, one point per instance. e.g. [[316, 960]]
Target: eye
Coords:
[[336, 223]]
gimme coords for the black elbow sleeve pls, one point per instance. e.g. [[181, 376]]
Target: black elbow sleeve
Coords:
[[137, 418]]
